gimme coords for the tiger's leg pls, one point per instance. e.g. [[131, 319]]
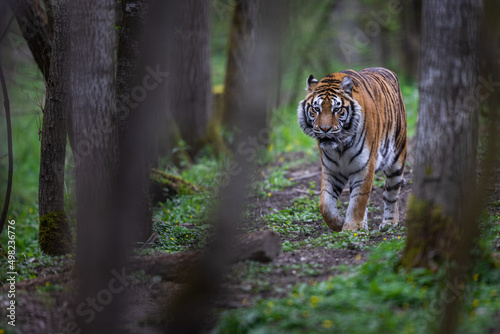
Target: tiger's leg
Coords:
[[392, 187], [361, 185], [332, 185]]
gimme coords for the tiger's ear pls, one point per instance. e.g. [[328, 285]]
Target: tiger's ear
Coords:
[[311, 83], [346, 85]]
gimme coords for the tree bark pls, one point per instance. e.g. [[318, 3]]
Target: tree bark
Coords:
[[54, 232], [241, 43], [93, 138], [48, 42], [36, 31], [134, 17], [464, 262], [445, 164], [189, 87]]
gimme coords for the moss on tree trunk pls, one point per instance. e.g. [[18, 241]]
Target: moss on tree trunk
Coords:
[[54, 234], [163, 186], [430, 236]]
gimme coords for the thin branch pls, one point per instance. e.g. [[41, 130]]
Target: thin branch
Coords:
[[306, 176], [3, 218]]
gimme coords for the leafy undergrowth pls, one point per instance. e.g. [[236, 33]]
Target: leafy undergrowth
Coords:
[[374, 297], [35, 264]]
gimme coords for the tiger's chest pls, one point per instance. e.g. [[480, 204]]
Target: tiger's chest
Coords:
[[345, 161]]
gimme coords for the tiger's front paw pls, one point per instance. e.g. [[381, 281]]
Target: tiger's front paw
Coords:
[[353, 226], [332, 217], [335, 223], [334, 220]]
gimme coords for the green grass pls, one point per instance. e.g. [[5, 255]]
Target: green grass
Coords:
[[274, 179], [182, 221], [286, 135], [371, 298], [293, 221]]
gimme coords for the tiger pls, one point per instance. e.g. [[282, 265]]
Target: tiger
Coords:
[[359, 122]]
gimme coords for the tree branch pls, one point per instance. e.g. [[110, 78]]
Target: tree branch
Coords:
[[9, 144], [35, 28]]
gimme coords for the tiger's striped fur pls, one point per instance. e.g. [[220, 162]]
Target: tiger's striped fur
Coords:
[[359, 120]]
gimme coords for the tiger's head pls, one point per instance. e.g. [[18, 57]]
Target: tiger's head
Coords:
[[329, 111]]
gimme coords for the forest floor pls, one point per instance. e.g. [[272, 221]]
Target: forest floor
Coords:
[[310, 253]]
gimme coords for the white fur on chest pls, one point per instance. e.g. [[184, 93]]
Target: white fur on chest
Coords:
[[345, 162]]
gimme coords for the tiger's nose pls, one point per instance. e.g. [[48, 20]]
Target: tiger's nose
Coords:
[[325, 128]]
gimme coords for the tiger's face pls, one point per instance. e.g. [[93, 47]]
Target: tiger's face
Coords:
[[328, 113], [327, 116]]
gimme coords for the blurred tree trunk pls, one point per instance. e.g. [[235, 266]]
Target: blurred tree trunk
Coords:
[[190, 310], [134, 17], [409, 35], [54, 232], [445, 164], [48, 41], [241, 43], [189, 87], [93, 138], [489, 96]]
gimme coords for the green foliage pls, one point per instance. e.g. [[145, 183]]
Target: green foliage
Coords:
[[26, 91], [410, 96], [275, 180], [31, 264], [372, 298], [181, 222], [26, 228], [286, 135], [379, 180], [291, 221], [175, 238], [338, 240]]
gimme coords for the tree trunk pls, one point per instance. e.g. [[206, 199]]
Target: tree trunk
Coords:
[[93, 138], [54, 233], [409, 35], [134, 16], [241, 43], [48, 42], [489, 96], [36, 31], [189, 87], [445, 164]]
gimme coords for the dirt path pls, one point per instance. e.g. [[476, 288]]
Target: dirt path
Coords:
[[316, 258]]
